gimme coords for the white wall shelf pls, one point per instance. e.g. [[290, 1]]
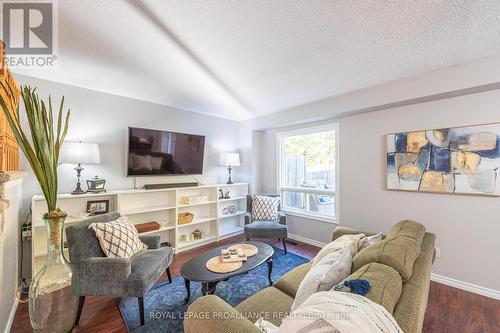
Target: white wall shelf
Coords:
[[198, 204], [145, 210], [238, 213], [197, 221], [191, 244], [159, 205], [233, 199]]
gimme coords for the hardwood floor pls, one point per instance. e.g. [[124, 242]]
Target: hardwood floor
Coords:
[[449, 310]]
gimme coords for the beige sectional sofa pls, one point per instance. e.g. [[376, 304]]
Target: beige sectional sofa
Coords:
[[398, 269]]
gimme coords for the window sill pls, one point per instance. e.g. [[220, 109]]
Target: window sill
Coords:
[[312, 216]]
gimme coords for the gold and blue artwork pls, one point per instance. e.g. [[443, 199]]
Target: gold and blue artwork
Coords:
[[462, 160]]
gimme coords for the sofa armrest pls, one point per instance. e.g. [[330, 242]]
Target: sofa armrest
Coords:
[[282, 217], [101, 276], [152, 241], [248, 218], [210, 314], [341, 231]]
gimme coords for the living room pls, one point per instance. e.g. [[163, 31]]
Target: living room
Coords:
[[250, 166]]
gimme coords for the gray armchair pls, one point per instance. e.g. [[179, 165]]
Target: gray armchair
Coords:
[[94, 274], [266, 229]]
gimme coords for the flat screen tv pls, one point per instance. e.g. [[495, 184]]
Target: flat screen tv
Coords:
[[153, 152]]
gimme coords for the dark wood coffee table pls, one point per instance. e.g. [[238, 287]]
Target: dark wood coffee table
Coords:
[[195, 269]]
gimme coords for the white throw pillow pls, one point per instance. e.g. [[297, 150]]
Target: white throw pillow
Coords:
[[141, 162], [265, 208], [333, 311], [350, 241], [326, 274], [118, 238], [364, 242]]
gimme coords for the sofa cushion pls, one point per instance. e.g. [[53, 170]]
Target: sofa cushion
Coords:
[[325, 275], [146, 267], [399, 253], [410, 310], [385, 283], [352, 241], [264, 229], [270, 303], [290, 282], [408, 228]]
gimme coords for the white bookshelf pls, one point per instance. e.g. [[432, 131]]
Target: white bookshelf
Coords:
[[158, 205]]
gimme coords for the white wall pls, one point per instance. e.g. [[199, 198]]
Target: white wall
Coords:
[[9, 255], [467, 227], [104, 119]]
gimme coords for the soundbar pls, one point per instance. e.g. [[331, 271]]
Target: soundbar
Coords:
[[171, 185]]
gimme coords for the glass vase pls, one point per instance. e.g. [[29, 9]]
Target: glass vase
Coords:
[[52, 304]]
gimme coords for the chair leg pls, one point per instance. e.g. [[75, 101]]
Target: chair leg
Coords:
[[80, 308], [284, 245], [141, 309], [168, 275]]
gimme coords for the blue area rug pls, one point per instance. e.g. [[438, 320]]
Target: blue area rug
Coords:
[[164, 304]]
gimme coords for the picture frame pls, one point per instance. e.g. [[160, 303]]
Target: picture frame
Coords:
[[460, 160], [98, 207]]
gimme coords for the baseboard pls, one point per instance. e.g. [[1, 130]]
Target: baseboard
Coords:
[[306, 240], [495, 294], [232, 234], [12, 313]]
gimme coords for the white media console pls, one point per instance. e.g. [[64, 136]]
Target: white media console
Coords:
[[159, 205]]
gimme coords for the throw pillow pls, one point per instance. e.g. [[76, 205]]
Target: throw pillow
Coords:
[[364, 242], [118, 238], [350, 241], [327, 273], [265, 208]]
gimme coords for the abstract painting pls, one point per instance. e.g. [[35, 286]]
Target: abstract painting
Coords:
[[462, 160]]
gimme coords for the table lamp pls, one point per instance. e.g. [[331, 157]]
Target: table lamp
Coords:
[[79, 153], [229, 160]]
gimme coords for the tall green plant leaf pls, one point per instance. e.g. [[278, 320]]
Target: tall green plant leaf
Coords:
[[44, 145]]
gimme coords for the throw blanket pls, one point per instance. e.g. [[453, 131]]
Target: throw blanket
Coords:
[[336, 312]]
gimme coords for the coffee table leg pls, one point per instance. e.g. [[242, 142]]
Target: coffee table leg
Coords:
[[270, 270], [208, 288], [188, 289]]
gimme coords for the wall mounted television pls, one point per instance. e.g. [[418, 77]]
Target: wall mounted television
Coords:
[[154, 152]]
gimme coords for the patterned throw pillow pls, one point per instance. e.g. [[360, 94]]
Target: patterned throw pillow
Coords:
[[265, 208], [118, 238]]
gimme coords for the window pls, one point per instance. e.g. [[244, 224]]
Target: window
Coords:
[[307, 171]]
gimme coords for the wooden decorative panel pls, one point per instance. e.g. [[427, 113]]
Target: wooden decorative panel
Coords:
[[10, 93]]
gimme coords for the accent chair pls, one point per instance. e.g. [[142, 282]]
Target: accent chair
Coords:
[[276, 229], [94, 274]]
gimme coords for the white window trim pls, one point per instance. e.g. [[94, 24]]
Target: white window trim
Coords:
[[335, 193]]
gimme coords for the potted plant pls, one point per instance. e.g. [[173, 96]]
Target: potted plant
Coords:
[[52, 304]]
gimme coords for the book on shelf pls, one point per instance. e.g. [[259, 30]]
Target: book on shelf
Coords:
[[233, 255]]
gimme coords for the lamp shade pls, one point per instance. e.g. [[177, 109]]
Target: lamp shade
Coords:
[[229, 159], [79, 153]]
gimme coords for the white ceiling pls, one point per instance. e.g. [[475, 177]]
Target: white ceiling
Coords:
[[243, 59]]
